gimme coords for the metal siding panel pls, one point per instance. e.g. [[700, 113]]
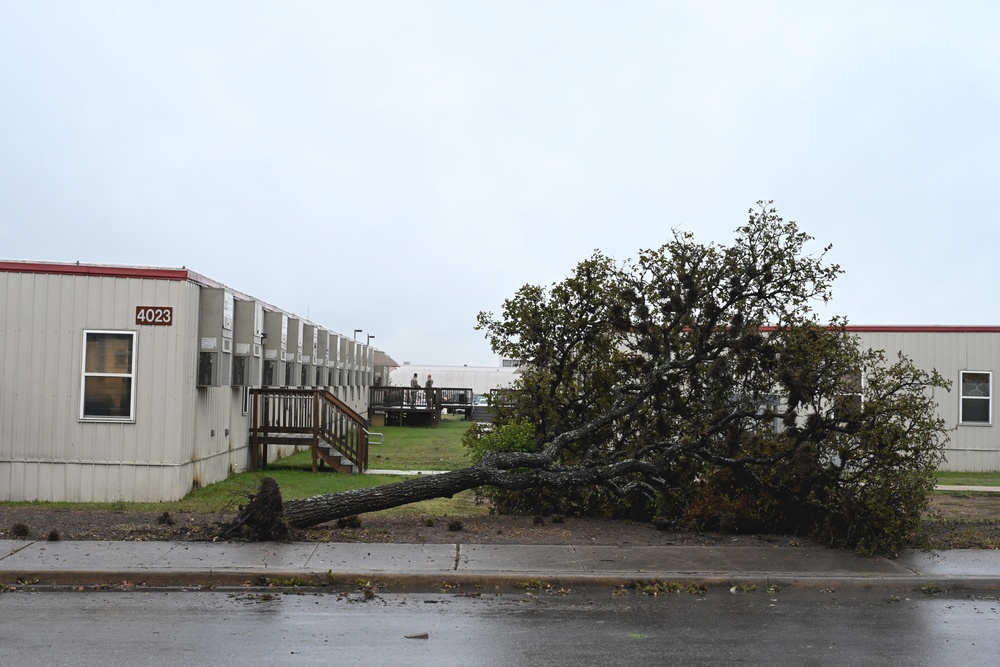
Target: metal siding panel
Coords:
[[45, 371], [74, 482], [971, 448], [212, 451], [66, 357], [150, 406], [5, 480], [32, 383], [16, 480], [239, 455], [53, 481], [188, 381], [143, 482], [17, 374], [161, 415], [7, 403], [40, 383]]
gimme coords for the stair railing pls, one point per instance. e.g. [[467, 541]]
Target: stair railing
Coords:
[[281, 414]]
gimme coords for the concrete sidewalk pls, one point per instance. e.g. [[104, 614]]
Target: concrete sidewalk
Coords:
[[429, 566]]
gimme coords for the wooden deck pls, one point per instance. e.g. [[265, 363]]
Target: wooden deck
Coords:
[[406, 406]]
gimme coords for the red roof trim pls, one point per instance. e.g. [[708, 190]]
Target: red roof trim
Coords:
[[95, 270], [929, 328], [917, 328]]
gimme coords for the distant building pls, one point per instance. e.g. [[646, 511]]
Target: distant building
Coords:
[[123, 383]]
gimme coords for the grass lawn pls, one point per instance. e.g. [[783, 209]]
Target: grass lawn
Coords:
[[415, 448], [968, 478]]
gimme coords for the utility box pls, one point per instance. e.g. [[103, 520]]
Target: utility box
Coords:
[[294, 369], [322, 361], [369, 366], [342, 370], [248, 331], [347, 362], [360, 364], [310, 343], [275, 342], [215, 333], [334, 359]]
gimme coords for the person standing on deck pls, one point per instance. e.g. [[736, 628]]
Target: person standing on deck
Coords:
[[429, 386]]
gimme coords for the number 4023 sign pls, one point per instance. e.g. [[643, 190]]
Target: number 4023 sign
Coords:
[[156, 315]]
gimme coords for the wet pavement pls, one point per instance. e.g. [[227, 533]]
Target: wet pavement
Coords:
[[555, 628], [426, 566]]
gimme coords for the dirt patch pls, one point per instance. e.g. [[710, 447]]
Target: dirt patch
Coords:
[[42, 524], [963, 521], [965, 506], [39, 523], [954, 521]]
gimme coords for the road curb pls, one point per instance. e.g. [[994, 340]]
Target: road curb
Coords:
[[494, 582]]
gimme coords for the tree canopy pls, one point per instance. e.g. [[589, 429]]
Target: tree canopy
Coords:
[[696, 384]]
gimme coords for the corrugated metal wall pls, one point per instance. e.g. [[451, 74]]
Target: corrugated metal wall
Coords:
[[183, 436], [972, 448], [42, 322]]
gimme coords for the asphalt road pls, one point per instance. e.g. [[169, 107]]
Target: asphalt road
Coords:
[[249, 627]]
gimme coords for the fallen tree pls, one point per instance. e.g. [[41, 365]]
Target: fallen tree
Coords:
[[695, 383], [512, 471]]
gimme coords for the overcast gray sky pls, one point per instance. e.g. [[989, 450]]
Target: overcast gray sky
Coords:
[[399, 166]]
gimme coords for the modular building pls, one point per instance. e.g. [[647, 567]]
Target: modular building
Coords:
[[133, 383], [968, 357]]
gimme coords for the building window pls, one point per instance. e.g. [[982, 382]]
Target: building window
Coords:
[[977, 403], [849, 403], [108, 375]]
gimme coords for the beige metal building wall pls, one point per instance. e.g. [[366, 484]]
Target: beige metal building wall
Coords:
[[181, 435], [216, 443], [46, 450], [221, 436], [950, 350]]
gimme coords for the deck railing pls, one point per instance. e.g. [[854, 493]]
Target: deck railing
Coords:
[[413, 399]]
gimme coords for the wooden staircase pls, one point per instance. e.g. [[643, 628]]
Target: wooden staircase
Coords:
[[334, 433]]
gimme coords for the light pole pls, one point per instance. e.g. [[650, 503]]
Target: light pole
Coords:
[[356, 332], [370, 336]]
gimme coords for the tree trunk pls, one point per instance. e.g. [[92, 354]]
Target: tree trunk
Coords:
[[493, 470], [320, 509]]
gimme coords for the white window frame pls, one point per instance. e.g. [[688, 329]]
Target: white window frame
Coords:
[[130, 375], [962, 398]]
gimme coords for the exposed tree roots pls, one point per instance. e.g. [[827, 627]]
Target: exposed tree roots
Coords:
[[262, 519]]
